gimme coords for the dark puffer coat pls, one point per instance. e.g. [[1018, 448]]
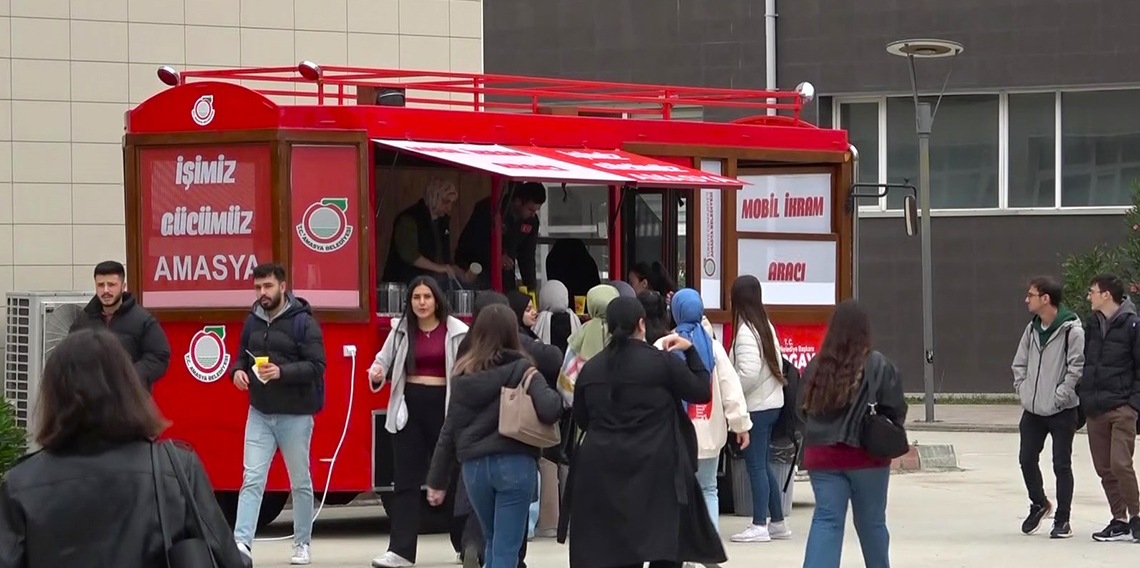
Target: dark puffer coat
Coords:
[[1112, 354], [138, 331]]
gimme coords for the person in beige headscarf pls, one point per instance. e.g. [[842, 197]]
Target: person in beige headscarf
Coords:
[[421, 238]]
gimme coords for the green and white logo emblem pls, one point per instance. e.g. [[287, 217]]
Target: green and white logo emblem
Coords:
[[324, 226], [207, 359]]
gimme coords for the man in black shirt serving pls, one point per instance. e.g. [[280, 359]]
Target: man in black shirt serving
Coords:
[[520, 237]]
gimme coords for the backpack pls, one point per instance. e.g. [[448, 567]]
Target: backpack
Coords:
[[791, 422]]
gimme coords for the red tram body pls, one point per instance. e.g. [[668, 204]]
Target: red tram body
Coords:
[[219, 177]]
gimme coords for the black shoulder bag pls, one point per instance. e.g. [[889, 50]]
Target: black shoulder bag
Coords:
[[190, 552], [880, 436]]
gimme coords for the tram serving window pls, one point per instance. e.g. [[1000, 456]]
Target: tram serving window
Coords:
[[572, 243], [421, 208], [654, 226]]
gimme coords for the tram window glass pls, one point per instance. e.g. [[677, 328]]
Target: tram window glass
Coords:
[[576, 212], [648, 228]]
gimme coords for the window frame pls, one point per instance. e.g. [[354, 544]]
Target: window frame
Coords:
[[872, 210]]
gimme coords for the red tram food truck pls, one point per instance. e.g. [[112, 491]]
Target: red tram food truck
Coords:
[[311, 168]]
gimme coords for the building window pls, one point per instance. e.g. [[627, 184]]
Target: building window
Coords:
[[1032, 150], [861, 120], [963, 151], [1100, 147]]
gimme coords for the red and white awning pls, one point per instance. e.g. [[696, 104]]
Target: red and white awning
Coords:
[[569, 165]]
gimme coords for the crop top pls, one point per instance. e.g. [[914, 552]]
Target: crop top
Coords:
[[431, 358]]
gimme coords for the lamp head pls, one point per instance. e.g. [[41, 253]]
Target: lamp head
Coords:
[[925, 48]]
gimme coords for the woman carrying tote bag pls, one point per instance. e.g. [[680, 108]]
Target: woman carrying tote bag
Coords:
[[499, 471]]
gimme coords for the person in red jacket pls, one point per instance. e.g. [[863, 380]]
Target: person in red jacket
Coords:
[[840, 381]]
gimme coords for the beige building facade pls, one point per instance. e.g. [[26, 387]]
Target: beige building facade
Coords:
[[70, 69]]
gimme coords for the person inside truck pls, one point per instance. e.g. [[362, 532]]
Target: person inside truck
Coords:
[[520, 237], [421, 238]]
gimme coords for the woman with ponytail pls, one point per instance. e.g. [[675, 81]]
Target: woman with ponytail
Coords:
[[632, 494], [756, 356]]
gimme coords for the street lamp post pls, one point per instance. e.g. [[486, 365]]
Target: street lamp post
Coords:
[[924, 122]]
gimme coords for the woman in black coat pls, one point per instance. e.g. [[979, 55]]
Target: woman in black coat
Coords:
[[633, 495], [103, 491]]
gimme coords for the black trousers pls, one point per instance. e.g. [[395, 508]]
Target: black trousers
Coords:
[[656, 564], [412, 448], [1062, 427]]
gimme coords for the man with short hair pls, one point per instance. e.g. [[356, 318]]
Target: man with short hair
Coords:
[[520, 237], [1110, 397], [1046, 370], [285, 394], [139, 332]]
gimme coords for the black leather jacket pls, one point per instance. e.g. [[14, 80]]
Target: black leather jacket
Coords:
[[846, 426], [95, 506]]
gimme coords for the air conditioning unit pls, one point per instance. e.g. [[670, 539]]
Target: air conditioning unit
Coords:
[[37, 322]]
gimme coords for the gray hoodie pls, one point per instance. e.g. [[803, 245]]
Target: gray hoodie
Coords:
[[1046, 376]]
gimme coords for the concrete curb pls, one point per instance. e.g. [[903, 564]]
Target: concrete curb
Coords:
[[961, 427], [927, 457], [964, 427]]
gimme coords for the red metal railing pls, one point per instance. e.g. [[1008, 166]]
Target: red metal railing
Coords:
[[502, 93]]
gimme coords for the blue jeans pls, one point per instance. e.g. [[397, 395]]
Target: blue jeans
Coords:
[[706, 477], [867, 491], [500, 488], [264, 434], [533, 510], [766, 498]]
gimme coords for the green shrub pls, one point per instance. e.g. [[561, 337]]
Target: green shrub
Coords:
[[1122, 260], [13, 438]]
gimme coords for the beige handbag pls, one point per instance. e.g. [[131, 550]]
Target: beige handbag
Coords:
[[519, 421]]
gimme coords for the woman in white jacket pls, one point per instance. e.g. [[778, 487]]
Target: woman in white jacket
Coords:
[[726, 412], [417, 358], [757, 358]]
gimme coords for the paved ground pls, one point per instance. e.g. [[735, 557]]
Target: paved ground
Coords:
[[966, 418], [966, 519]]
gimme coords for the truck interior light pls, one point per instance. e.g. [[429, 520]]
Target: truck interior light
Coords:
[[169, 76], [310, 70]]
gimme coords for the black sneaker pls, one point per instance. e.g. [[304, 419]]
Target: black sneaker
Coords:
[[1115, 531], [1037, 513], [1061, 529], [1135, 526]]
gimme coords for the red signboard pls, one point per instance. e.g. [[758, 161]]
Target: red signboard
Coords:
[[800, 343], [206, 222], [325, 186]]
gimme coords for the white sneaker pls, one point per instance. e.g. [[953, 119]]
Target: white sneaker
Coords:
[[300, 554], [754, 533], [244, 549], [391, 560], [779, 531]]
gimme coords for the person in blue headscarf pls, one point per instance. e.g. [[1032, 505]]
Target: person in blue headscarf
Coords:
[[728, 410]]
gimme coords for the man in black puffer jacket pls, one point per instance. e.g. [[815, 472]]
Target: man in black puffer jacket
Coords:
[[138, 330], [1110, 397], [283, 397]]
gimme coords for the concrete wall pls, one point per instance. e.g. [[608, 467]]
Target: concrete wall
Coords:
[[70, 69]]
